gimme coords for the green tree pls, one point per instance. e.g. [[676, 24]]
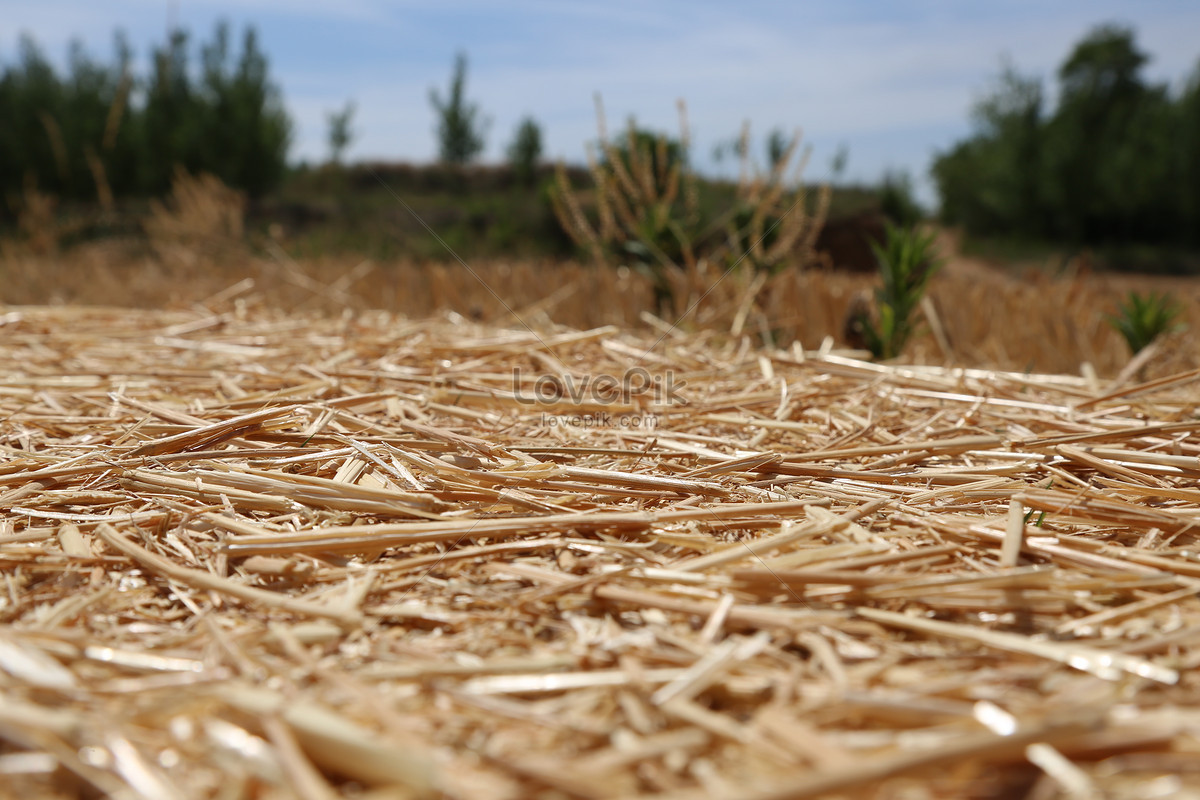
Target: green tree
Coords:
[[460, 128], [837, 164], [341, 133], [119, 146], [897, 199], [1103, 156], [1186, 157], [1116, 161], [777, 144], [171, 133], [526, 149], [241, 101], [993, 181], [99, 131], [231, 122], [31, 95], [66, 135]]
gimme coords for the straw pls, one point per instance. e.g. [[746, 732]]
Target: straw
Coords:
[[244, 553]]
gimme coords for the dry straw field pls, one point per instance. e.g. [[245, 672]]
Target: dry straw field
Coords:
[[268, 542], [263, 554]]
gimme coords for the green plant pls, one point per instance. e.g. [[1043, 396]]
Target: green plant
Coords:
[[1142, 318], [906, 261], [525, 150], [341, 133], [777, 144], [897, 200], [460, 127]]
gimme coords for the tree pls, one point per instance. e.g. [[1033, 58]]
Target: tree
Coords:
[[460, 128], [100, 131], [256, 163], [31, 100], [525, 149], [1094, 138], [230, 123], [1187, 158], [1116, 161], [994, 182], [340, 131], [1106, 64], [777, 143], [837, 164], [170, 124]]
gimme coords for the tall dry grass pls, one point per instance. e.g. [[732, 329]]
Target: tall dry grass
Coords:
[[195, 250]]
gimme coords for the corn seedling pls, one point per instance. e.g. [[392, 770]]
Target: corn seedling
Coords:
[[1142, 318], [906, 263]]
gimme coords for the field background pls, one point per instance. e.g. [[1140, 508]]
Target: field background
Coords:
[[329, 242]]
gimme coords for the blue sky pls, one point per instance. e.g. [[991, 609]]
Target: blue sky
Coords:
[[893, 81]]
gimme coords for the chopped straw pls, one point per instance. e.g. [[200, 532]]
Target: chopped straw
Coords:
[[247, 554]]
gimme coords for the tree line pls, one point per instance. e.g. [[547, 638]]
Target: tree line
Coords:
[[1117, 160], [102, 130]]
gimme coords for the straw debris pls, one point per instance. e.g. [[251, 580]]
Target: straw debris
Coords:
[[253, 554]]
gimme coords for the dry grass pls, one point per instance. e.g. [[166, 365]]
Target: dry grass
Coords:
[[195, 248], [249, 553], [989, 318]]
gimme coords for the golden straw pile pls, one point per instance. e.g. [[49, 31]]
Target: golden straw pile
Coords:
[[247, 555]]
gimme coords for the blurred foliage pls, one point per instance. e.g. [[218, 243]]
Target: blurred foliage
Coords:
[[777, 146], [86, 149], [1115, 162], [460, 127], [907, 260], [101, 131], [897, 200], [1142, 318], [525, 151], [479, 210], [341, 131]]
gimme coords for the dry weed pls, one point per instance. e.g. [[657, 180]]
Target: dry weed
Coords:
[[644, 209], [37, 222], [202, 220]]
